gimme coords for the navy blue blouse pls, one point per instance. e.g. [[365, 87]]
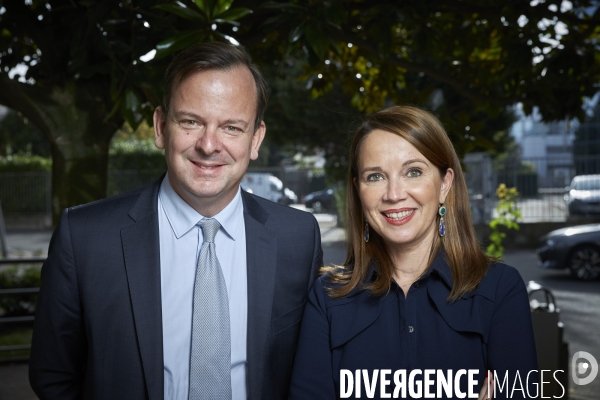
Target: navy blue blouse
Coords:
[[488, 329]]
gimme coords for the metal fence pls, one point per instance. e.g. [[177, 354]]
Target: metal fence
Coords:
[[17, 296], [25, 193], [542, 184], [28, 194]]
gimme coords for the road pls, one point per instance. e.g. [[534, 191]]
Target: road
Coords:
[[579, 304]]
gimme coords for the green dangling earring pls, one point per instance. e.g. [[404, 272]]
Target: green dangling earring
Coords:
[[442, 212], [366, 231]]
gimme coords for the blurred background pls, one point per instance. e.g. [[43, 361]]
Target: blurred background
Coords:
[[515, 84]]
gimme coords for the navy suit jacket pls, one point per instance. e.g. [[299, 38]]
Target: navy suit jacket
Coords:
[[98, 325], [488, 329]]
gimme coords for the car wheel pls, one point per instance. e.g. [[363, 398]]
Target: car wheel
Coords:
[[584, 262], [317, 207]]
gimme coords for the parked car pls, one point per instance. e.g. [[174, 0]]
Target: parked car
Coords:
[[269, 187], [576, 248], [323, 200], [583, 195]]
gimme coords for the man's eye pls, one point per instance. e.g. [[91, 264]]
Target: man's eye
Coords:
[[189, 123], [233, 129], [414, 172], [374, 177]]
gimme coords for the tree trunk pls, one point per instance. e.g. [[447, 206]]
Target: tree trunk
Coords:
[[73, 118], [79, 173]]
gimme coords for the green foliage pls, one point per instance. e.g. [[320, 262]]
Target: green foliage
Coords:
[[13, 277], [204, 20], [25, 163], [15, 335], [507, 217], [480, 56], [466, 61], [133, 163], [19, 136], [136, 154]]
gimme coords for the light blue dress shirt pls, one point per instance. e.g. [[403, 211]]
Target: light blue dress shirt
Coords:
[[180, 242]]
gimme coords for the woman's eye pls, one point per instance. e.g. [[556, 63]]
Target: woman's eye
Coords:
[[414, 172], [374, 177]]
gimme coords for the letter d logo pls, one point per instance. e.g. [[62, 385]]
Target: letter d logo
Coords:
[[582, 366]]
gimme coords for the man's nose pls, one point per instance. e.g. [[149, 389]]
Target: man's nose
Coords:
[[209, 140]]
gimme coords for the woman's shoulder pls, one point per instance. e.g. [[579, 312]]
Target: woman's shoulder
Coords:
[[501, 271], [346, 315], [500, 280], [333, 279]]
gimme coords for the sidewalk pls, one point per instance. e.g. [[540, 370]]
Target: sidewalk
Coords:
[[28, 243], [14, 383]]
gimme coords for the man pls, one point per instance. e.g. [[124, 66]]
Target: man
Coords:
[[123, 312]]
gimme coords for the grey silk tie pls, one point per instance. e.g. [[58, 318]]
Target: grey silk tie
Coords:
[[210, 358]]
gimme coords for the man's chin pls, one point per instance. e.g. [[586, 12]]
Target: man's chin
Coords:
[[211, 193]]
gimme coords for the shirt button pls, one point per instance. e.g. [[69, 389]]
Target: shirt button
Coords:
[[417, 284], [411, 329]]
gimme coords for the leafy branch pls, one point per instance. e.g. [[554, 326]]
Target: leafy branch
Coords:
[[208, 14], [508, 216]]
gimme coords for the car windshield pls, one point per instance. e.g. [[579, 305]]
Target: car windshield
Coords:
[[587, 184]]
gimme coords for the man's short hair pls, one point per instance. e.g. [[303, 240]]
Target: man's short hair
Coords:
[[214, 56]]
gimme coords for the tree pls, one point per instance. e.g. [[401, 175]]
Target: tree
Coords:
[[19, 136], [465, 60], [298, 121], [84, 79], [81, 83]]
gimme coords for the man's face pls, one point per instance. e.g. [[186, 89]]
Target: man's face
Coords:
[[208, 136]]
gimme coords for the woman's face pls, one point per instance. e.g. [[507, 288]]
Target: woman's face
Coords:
[[400, 190]]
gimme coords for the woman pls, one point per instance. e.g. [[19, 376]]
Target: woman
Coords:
[[416, 292]]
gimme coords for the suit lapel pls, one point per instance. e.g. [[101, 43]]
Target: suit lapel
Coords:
[[141, 248], [261, 260]]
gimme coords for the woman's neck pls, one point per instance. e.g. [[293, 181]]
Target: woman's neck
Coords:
[[410, 262]]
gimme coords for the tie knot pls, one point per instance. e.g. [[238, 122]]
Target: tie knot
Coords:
[[209, 226]]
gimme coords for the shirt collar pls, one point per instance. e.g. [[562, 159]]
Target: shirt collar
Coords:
[[182, 217], [439, 265]]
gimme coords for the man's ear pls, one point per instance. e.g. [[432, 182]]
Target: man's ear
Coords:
[[257, 139], [446, 184], [160, 122]]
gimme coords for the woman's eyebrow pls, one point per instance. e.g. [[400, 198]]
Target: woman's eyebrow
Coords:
[[370, 169], [413, 160]]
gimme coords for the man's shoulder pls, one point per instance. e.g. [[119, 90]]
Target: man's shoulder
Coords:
[[112, 207]]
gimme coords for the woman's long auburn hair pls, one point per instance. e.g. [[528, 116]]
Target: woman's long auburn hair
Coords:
[[467, 261]]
